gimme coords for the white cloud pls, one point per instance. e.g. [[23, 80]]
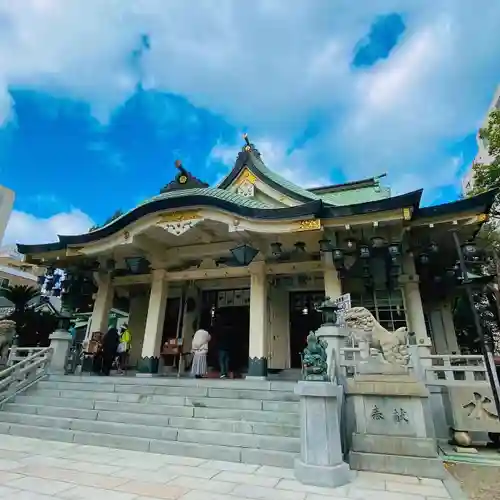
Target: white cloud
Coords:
[[26, 228], [270, 67]]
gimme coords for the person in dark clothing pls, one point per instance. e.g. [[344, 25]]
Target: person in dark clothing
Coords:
[[224, 344], [109, 347]]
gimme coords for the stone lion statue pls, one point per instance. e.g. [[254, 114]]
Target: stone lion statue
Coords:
[[7, 332], [391, 345]]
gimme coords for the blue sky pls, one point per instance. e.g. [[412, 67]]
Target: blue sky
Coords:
[[97, 100]]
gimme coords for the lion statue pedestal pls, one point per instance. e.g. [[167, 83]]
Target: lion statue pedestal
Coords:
[[392, 432]]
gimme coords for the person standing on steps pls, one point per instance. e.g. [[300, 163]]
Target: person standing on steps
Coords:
[[224, 344], [199, 348], [109, 347]]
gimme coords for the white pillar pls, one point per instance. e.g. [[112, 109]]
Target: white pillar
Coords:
[[258, 346], [151, 347], [333, 285], [193, 297], [138, 313], [99, 321]]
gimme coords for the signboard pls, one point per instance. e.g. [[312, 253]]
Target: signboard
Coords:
[[343, 303]]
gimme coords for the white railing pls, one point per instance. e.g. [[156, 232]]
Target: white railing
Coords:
[[23, 370], [17, 354], [452, 369], [349, 360]]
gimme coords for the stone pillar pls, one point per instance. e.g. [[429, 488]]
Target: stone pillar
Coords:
[[413, 300], [102, 305], [333, 285], [335, 338], [320, 462], [60, 342], [257, 349], [153, 332]]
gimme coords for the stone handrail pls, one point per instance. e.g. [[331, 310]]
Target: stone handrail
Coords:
[[17, 354], [25, 372]]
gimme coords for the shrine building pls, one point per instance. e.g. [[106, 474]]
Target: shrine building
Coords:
[[257, 252]]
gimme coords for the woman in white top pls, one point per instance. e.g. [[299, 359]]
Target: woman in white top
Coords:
[[199, 348]]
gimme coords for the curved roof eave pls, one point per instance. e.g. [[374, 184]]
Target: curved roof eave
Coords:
[[411, 199], [315, 208], [481, 202], [311, 209]]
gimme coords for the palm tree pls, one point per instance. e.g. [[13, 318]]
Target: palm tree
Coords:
[[20, 296]]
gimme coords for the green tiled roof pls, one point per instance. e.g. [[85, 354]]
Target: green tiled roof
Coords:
[[357, 195], [221, 194], [290, 186]]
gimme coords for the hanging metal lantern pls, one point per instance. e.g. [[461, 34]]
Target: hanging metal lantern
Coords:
[[378, 242], [469, 249], [300, 246], [276, 248], [424, 259], [338, 255], [244, 254], [364, 251], [351, 243], [433, 247], [325, 246], [394, 249], [137, 265]]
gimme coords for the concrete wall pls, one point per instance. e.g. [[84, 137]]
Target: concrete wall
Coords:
[[6, 204]]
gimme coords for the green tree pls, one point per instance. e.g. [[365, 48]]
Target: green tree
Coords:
[[485, 178], [116, 214]]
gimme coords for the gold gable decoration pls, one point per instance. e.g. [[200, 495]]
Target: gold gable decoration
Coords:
[[178, 223], [309, 225], [246, 176], [180, 216]]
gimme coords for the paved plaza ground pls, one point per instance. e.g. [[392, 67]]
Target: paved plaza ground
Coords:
[[32, 469]]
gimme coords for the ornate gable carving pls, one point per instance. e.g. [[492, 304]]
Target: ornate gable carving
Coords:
[[178, 223], [183, 180]]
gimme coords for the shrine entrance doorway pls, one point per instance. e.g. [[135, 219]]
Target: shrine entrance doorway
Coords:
[[227, 310], [303, 319]]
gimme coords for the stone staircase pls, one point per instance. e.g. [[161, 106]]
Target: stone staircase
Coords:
[[253, 422]]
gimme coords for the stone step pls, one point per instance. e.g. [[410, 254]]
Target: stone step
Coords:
[[198, 402], [191, 449], [224, 438], [171, 390], [221, 425], [238, 384], [268, 415]]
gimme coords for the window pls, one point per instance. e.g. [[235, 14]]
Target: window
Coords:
[[4, 282], [387, 306]]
